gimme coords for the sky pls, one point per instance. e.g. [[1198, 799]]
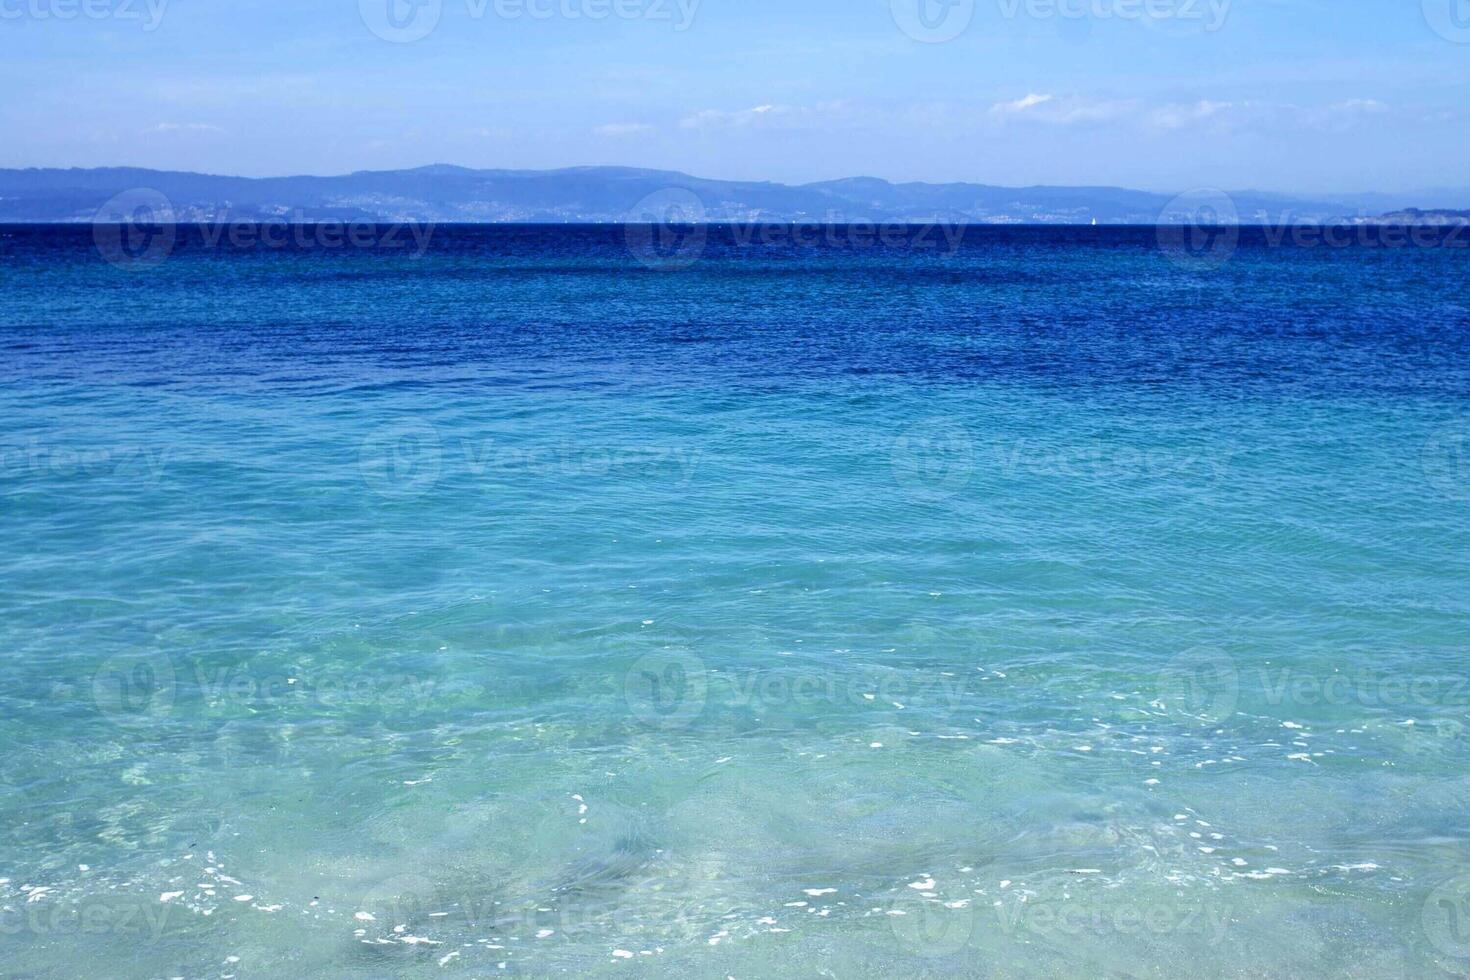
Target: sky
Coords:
[[1297, 96]]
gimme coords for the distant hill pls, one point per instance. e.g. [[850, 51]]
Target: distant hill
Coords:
[[443, 193], [1417, 216]]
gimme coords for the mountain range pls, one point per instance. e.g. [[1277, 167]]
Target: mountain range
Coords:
[[444, 193]]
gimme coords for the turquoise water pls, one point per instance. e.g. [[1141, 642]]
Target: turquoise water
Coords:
[[1044, 608]]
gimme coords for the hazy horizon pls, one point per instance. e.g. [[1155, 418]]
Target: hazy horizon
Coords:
[[1462, 188], [1294, 97]]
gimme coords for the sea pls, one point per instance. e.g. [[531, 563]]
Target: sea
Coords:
[[759, 601]]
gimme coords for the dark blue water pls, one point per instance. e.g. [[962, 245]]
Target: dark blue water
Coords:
[[1037, 305]]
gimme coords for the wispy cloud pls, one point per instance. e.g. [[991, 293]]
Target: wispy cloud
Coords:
[[1021, 104], [1180, 116], [1036, 109], [1062, 111], [1358, 105], [1171, 116], [170, 127], [831, 115], [618, 130], [717, 118]]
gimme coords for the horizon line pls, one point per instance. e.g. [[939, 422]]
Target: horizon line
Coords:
[[1323, 196]]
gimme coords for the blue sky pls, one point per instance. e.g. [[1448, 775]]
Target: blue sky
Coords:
[[1291, 95]]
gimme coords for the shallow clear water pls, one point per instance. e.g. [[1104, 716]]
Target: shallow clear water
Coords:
[[1042, 607]]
